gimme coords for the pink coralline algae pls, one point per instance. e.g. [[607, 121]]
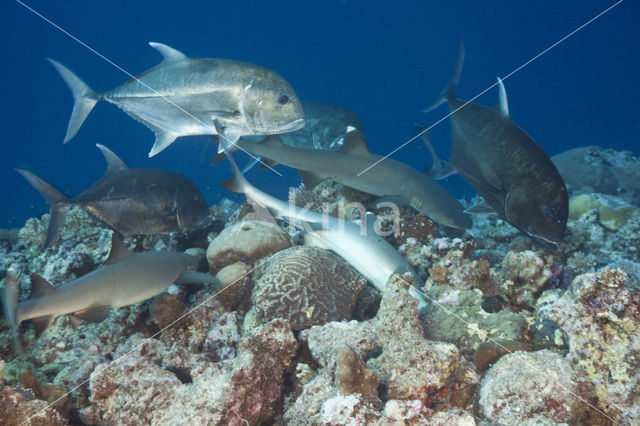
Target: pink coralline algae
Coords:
[[600, 313], [245, 390]]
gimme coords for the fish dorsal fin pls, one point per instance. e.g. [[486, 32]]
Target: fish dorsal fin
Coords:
[[502, 106], [169, 54], [118, 250], [40, 286], [353, 142], [93, 314], [309, 179], [114, 163]]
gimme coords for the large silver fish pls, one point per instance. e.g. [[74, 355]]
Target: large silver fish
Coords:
[[124, 279], [325, 127], [504, 165], [132, 201], [388, 178], [184, 96]]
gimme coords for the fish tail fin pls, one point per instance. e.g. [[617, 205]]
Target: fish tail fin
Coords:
[[84, 99], [10, 304], [56, 200], [449, 92], [239, 183]]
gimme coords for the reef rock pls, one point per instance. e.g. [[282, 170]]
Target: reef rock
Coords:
[[523, 275], [306, 286], [245, 242], [539, 387], [600, 313], [245, 389], [613, 212], [20, 407]]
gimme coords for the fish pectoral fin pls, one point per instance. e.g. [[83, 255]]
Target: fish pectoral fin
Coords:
[[164, 138], [197, 278], [481, 208], [169, 54], [41, 323], [93, 314], [309, 179]]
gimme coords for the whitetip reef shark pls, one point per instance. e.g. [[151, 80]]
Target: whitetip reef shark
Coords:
[[504, 165], [184, 96], [129, 200], [125, 278], [388, 178], [368, 253]]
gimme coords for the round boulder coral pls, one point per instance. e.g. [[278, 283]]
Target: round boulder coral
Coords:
[[305, 286], [245, 242]]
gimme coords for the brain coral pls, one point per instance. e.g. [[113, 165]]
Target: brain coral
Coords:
[[306, 286], [245, 242]]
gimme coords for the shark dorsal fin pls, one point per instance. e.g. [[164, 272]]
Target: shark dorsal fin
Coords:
[[118, 250], [169, 54], [40, 286], [114, 163], [353, 142], [503, 105]]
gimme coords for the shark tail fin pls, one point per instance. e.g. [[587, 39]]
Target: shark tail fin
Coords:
[[84, 99], [239, 183], [449, 92], [10, 303], [57, 201]]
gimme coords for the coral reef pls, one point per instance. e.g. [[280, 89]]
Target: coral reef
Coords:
[[523, 275], [600, 314], [613, 212], [245, 242], [551, 393], [306, 286]]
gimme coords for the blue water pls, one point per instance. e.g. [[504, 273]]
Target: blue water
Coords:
[[384, 60]]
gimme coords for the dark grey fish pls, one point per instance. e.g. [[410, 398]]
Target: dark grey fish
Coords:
[[131, 201], [324, 128], [191, 96], [504, 164]]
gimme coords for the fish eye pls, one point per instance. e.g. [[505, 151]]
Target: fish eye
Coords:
[[548, 211], [283, 99]]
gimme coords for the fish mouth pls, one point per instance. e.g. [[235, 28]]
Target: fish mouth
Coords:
[[545, 241], [292, 126]]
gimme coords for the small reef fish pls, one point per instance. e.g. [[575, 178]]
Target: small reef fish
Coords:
[[369, 254], [324, 128], [131, 201], [124, 279], [389, 178], [504, 164], [192, 96]]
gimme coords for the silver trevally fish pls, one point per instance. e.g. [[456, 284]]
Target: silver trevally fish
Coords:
[[504, 164], [388, 178], [131, 201], [184, 96], [124, 279], [368, 253], [324, 128]]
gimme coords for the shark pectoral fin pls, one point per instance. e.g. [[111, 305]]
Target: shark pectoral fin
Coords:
[[75, 321], [169, 54], [197, 278], [41, 323], [93, 314], [164, 138], [309, 179], [118, 250], [354, 143], [265, 164]]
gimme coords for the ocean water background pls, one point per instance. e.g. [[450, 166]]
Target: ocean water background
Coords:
[[384, 60]]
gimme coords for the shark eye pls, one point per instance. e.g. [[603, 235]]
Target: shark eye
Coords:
[[283, 99]]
